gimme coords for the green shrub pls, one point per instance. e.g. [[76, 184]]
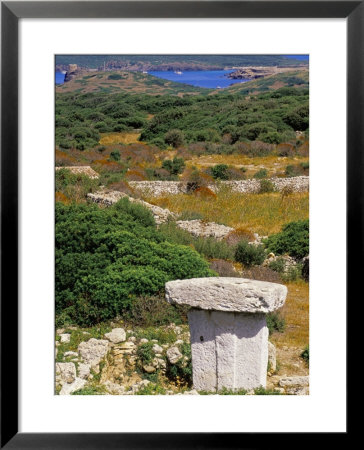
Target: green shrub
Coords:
[[105, 258], [220, 172], [174, 138], [275, 322], [262, 173], [293, 273], [174, 166], [278, 265], [292, 240], [145, 353], [249, 254], [155, 311], [115, 155], [266, 186]]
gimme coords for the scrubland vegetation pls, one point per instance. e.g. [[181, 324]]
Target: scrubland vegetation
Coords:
[[113, 263]]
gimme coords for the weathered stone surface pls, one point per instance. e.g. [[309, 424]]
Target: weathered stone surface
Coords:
[[68, 389], [84, 370], [65, 372], [174, 355], [227, 294], [272, 357], [157, 348], [149, 369], [294, 381], [229, 350], [114, 388], [116, 336], [93, 351], [204, 229], [66, 354], [65, 338]]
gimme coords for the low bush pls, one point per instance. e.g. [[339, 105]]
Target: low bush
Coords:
[[220, 172], [266, 186], [292, 240], [262, 173], [275, 322], [249, 254], [278, 265], [155, 311], [106, 258]]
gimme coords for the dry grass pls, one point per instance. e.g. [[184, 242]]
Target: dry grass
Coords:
[[119, 138], [294, 339], [275, 165], [258, 213], [296, 313]]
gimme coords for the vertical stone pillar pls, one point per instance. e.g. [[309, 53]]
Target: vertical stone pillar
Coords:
[[229, 335]]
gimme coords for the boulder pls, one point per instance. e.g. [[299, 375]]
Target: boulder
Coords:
[[65, 372], [93, 351], [65, 338], [300, 381], [116, 336], [174, 355]]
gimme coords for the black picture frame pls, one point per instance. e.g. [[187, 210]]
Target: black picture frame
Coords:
[[11, 12]]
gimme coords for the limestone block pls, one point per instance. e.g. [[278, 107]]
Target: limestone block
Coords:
[[294, 381], [116, 336], [227, 294], [65, 372], [93, 351], [68, 389], [173, 355], [229, 350], [65, 338], [84, 370]]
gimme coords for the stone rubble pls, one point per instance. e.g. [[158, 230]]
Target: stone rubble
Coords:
[[119, 375]]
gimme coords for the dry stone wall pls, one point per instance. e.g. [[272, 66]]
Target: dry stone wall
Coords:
[[158, 188]]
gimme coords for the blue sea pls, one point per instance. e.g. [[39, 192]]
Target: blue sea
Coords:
[[201, 78], [60, 77]]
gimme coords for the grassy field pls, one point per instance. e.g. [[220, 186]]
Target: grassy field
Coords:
[[259, 213], [275, 165]]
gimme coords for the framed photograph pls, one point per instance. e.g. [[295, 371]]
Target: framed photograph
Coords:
[[167, 278]]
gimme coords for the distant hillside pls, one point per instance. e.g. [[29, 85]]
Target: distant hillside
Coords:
[[299, 78], [130, 82], [174, 62]]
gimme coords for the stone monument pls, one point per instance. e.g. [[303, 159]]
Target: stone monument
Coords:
[[229, 334]]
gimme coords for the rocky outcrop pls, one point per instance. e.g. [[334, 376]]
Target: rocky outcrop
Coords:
[[204, 229]]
